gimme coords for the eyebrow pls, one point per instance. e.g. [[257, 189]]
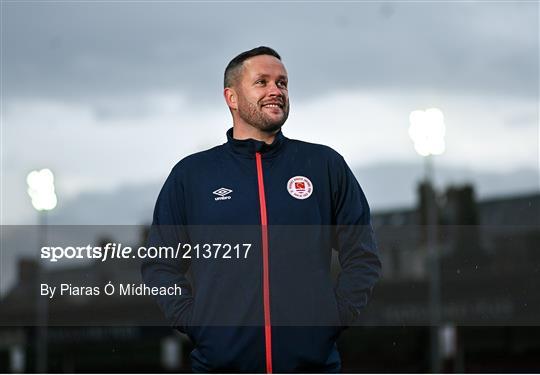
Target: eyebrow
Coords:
[[263, 75]]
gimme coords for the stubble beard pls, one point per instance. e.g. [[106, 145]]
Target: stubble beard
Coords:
[[255, 117]]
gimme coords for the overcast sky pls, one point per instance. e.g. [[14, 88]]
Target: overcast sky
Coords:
[[115, 93]]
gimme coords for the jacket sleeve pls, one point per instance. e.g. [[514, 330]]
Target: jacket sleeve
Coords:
[[167, 230], [355, 243]]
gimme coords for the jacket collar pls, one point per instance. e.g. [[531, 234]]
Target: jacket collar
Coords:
[[248, 147]]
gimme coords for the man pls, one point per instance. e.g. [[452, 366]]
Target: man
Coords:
[[272, 308]]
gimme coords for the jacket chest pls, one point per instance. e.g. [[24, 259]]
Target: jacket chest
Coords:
[[293, 196]]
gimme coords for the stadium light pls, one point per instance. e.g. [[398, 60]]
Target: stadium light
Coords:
[[41, 189], [427, 131]]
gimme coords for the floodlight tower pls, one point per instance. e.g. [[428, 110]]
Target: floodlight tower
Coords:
[[427, 131], [41, 191]]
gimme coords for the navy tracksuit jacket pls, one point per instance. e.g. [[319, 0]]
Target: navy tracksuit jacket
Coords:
[[276, 309]]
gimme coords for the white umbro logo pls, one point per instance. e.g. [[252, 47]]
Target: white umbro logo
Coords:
[[223, 194]]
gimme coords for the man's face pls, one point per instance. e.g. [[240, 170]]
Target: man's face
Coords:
[[263, 98]]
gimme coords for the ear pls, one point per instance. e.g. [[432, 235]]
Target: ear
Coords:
[[231, 97]]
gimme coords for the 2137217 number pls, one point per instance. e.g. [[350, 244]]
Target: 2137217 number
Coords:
[[215, 251]]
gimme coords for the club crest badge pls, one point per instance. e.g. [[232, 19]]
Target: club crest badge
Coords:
[[300, 187]]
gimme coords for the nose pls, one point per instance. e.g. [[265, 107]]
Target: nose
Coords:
[[274, 90]]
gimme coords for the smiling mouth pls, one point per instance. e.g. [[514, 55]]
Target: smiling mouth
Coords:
[[273, 105]]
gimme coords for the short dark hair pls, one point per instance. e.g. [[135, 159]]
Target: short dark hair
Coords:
[[235, 65]]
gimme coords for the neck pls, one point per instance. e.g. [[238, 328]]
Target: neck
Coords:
[[245, 131]]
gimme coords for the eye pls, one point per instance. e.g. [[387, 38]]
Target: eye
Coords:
[[282, 84], [260, 82]]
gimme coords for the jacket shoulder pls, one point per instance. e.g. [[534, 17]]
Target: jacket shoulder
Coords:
[[314, 149], [196, 160]]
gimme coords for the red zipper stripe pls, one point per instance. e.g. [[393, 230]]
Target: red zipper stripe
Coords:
[[266, 276]]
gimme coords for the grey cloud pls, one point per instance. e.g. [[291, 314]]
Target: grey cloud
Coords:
[[81, 51], [522, 119]]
